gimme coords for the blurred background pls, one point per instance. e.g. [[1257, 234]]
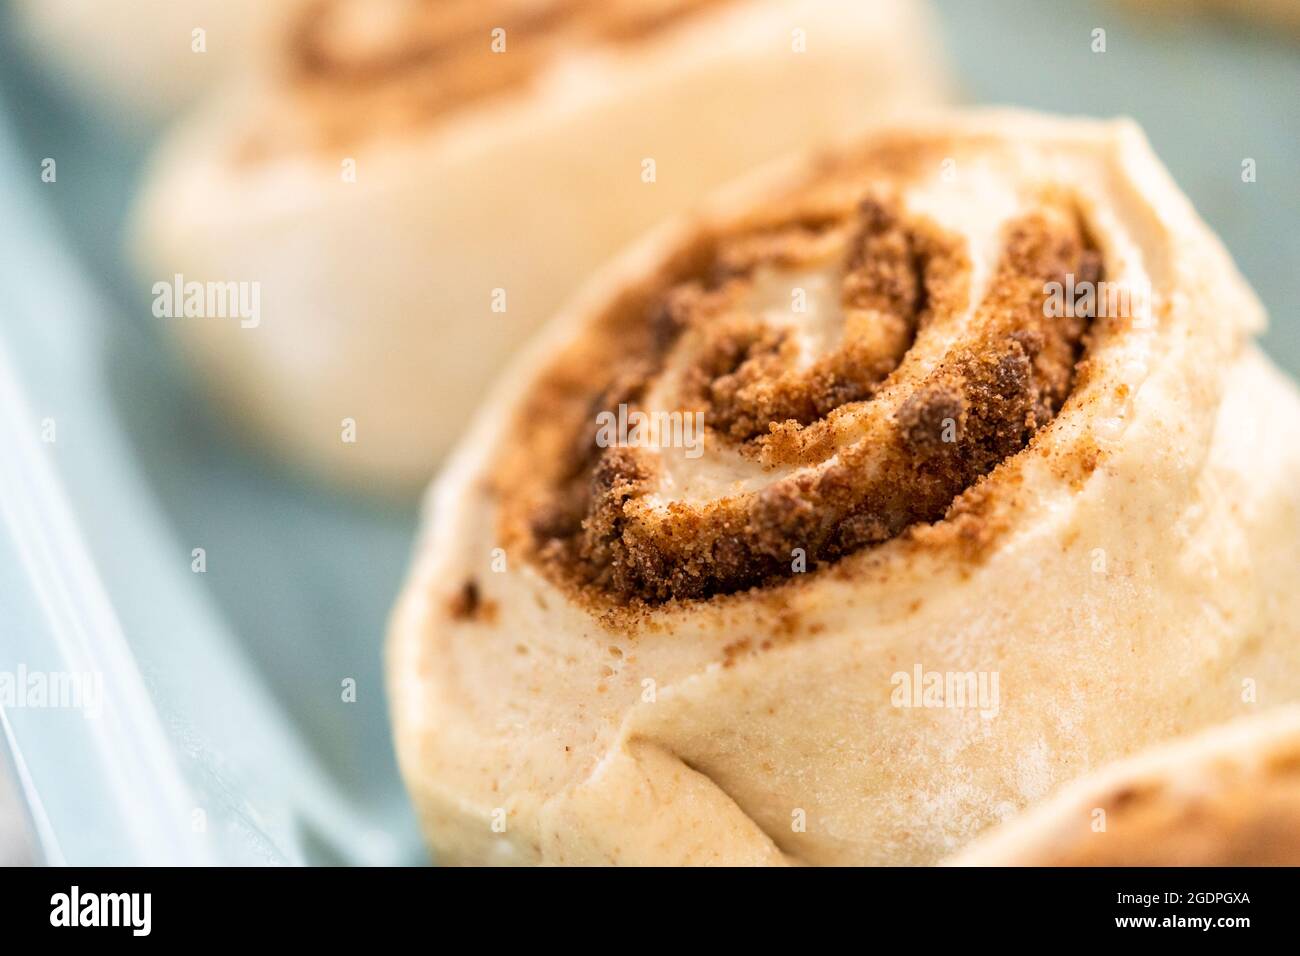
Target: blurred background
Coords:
[[242, 666]]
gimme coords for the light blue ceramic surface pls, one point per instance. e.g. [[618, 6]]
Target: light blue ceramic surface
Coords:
[[223, 734]]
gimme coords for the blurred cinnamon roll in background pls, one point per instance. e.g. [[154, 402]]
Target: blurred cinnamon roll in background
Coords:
[[848, 519], [414, 185], [1281, 15]]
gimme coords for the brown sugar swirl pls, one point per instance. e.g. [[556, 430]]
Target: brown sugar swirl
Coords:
[[849, 374], [361, 68]]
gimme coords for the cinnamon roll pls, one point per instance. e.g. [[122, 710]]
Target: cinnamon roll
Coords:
[[856, 514], [414, 185], [1264, 14], [147, 57], [1229, 796]]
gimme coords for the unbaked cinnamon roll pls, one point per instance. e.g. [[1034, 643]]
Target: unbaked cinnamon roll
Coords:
[[850, 518], [414, 185], [1264, 14], [147, 57], [1229, 796]]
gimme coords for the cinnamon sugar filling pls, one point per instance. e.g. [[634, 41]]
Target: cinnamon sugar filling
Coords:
[[904, 401], [360, 68]]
